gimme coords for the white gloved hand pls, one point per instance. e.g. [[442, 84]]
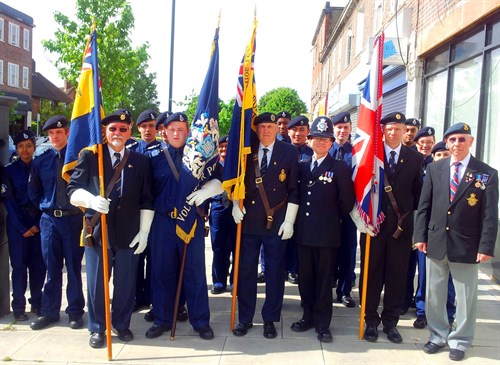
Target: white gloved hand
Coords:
[[238, 214], [286, 228], [360, 223], [82, 198], [141, 237], [211, 188]]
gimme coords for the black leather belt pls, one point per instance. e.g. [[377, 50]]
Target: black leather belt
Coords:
[[61, 213]]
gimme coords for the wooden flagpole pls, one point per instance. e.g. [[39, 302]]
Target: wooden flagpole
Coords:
[[236, 268], [365, 285]]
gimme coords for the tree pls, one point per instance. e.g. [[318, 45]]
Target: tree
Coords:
[[282, 98], [122, 68]]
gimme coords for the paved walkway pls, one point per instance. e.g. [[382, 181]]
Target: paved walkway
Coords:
[[61, 345]]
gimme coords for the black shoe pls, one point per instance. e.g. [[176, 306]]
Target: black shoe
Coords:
[[261, 278], [347, 301], [75, 321], [124, 335], [301, 326], [393, 334], [456, 354], [431, 348], [218, 288], [324, 335], [242, 329], [157, 330], [21, 317], [404, 310], [205, 332], [42, 322], [371, 333], [293, 278], [36, 311], [182, 314], [97, 340], [269, 330], [149, 316], [420, 322]]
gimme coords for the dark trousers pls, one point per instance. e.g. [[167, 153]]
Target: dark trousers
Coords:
[[345, 263], [409, 299], [223, 236], [291, 264], [315, 283], [274, 250]]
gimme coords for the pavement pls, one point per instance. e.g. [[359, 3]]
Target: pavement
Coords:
[[59, 344]]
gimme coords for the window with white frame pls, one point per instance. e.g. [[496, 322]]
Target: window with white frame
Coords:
[[2, 25], [379, 13], [13, 76], [14, 34], [26, 78], [348, 48], [360, 30], [1, 72], [26, 39]]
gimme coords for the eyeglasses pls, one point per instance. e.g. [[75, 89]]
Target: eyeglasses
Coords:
[[455, 139], [121, 129]]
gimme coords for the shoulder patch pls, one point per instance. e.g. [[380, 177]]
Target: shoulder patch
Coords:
[[3, 189]]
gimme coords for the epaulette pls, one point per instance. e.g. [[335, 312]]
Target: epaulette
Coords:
[[131, 144], [154, 150]]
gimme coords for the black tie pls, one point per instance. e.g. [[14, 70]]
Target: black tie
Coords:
[[315, 167], [340, 153], [392, 161], [118, 185], [178, 159], [61, 199], [263, 163]]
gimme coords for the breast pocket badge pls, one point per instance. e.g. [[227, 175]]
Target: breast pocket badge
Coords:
[[472, 200], [282, 175]]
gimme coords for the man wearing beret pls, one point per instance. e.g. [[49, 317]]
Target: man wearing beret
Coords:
[[129, 209], [146, 124], [412, 125], [440, 151], [456, 225], [160, 127], [268, 215], [60, 227], [391, 247], [284, 118]]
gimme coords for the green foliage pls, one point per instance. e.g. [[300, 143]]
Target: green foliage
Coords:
[[282, 98], [47, 110]]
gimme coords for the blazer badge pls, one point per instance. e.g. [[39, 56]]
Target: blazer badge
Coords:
[[282, 175], [472, 200]]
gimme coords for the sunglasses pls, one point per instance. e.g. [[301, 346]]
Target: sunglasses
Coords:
[[121, 129], [455, 139]]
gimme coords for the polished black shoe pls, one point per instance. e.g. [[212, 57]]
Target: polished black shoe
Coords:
[[420, 322], [205, 332], [269, 330], [301, 326], [371, 333], [97, 340], [218, 288], [293, 278], [21, 317], [182, 314], [393, 334], [456, 354], [75, 321], [125, 335], [347, 301], [42, 322], [431, 347], [157, 330], [324, 335], [261, 278], [149, 316], [242, 329]]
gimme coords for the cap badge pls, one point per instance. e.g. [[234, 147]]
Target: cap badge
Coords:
[[273, 118], [345, 119], [282, 175], [429, 132], [59, 124], [322, 125], [466, 127], [398, 116], [25, 136], [122, 116], [181, 118], [283, 115], [151, 115]]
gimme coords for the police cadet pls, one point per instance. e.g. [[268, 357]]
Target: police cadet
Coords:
[[129, 210], [23, 229], [284, 118], [271, 205], [60, 227], [326, 195], [388, 262], [412, 125], [341, 150], [167, 247], [160, 127], [146, 124]]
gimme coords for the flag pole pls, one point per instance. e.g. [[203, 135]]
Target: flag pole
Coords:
[[365, 285], [236, 270], [178, 292]]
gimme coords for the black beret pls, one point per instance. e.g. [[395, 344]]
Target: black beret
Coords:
[[284, 114], [265, 118], [413, 122], [424, 132], [321, 127], [162, 118], [299, 121], [395, 117], [57, 121], [440, 146], [176, 117], [120, 115], [343, 117], [24, 136], [459, 128], [223, 139], [146, 116]]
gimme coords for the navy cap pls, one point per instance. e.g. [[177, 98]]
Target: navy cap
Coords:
[[440, 146], [120, 115], [24, 136], [321, 127], [343, 117], [223, 139], [413, 122], [57, 121], [265, 118], [299, 121], [162, 118], [176, 117], [146, 116], [395, 117], [284, 114], [459, 128], [424, 132]]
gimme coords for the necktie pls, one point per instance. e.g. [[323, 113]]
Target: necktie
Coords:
[[340, 153], [315, 167], [263, 163], [61, 199], [454, 181], [392, 161], [178, 159], [118, 185]]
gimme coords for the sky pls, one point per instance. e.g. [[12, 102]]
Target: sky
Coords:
[[283, 56]]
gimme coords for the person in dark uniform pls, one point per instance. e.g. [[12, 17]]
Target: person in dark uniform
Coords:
[[167, 247], [284, 118], [23, 229], [146, 124], [412, 126], [388, 262], [343, 271], [326, 190], [270, 209], [129, 211], [160, 127], [60, 226]]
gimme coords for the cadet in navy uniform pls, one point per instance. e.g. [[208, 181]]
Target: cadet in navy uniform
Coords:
[[60, 227], [392, 245], [146, 124], [167, 247], [160, 127], [23, 230], [341, 150], [412, 126], [284, 118], [457, 225], [326, 190], [129, 216], [271, 205]]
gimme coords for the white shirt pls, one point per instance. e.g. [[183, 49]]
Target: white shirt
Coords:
[[113, 159], [388, 152], [320, 160], [461, 168], [268, 154]]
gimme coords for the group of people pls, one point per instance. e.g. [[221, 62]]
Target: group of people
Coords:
[[299, 219]]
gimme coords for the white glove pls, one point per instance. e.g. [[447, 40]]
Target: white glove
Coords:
[[82, 198], [286, 228], [211, 188], [360, 223], [238, 214], [145, 221]]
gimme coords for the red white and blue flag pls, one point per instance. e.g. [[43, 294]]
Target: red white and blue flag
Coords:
[[367, 149]]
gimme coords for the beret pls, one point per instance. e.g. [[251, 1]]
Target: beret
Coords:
[[176, 117], [223, 139], [413, 122], [440, 146], [162, 118], [299, 121], [395, 117], [284, 114], [265, 118], [424, 132], [321, 127], [57, 121], [24, 136], [146, 116], [120, 115], [343, 117], [458, 128]]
